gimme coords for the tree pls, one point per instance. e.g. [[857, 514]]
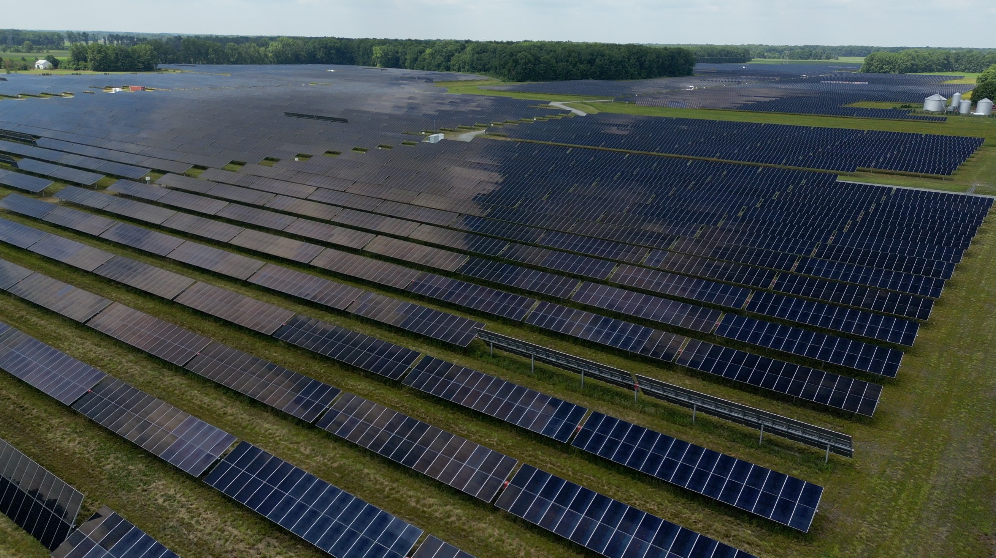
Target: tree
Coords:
[[985, 87], [53, 60]]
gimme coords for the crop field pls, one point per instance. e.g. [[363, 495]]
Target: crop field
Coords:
[[343, 251]]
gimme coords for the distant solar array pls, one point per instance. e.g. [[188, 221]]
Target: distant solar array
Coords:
[[836, 149], [825, 89]]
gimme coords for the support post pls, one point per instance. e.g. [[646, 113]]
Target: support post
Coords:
[[582, 378], [532, 363], [636, 393], [761, 439], [492, 348], [827, 458], [693, 412]]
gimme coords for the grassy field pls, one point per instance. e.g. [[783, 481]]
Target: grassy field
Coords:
[[922, 483]]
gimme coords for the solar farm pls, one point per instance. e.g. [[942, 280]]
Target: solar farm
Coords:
[[267, 311]]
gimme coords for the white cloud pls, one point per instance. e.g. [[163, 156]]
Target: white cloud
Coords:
[[833, 22]]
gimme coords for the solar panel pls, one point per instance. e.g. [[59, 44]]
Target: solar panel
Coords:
[[78, 221], [281, 247], [435, 548], [335, 521], [309, 287], [202, 227], [216, 260], [11, 273], [26, 206], [24, 182], [67, 300], [495, 397], [171, 343], [770, 494], [45, 368], [19, 235], [603, 525], [144, 277], [63, 173], [263, 381], [70, 252], [108, 535], [416, 318], [36, 500], [178, 438], [467, 466], [232, 307], [143, 239], [362, 351], [88, 198]]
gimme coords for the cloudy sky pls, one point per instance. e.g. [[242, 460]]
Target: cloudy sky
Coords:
[[965, 23]]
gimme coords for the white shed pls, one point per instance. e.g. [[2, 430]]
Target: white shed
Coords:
[[43, 65]]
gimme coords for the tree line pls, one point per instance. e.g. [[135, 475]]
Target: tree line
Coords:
[[985, 87], [915, 60], [511, 61]]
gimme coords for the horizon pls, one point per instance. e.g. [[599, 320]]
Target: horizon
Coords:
[[838, 22]]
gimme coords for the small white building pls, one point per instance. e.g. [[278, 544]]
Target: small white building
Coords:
[[43, 65]]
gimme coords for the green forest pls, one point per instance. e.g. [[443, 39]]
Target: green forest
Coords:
[[916, 60], [510, 61]]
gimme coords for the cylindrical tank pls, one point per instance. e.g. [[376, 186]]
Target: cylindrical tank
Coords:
[[984, 108], [965, 107], [956, 100], [934, 103]]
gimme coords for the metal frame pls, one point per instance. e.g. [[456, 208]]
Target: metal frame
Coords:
[[791, 429]]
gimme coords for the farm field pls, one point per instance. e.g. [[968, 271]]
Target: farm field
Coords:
[[353, 196]]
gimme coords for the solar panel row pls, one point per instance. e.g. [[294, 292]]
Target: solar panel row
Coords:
[[52, 372], [333, 520], [174, 436], [467, 466], [670, 284], [759, 490], [23, 182], [407, 316], [36, 500], [806, 383], [108, 535], [599, 523], [73, 160]]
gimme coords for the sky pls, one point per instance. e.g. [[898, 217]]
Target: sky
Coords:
[[953, 23]]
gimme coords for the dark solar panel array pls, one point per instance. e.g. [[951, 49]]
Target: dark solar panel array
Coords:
[[36, 500], [108, 535], [603, 525], [362, 351], [467, 466], [435, 548], [62, 173], [178, 438], [51, 294], [53, 372], [72, 160], [268, 383], [407, 316], [325, 516], [798, 146], [498, 398], [759, 490], [23, 182]]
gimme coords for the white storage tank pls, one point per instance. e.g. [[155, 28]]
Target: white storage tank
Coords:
[[984, 108], [965, 107], [956, 101], [934, 103]]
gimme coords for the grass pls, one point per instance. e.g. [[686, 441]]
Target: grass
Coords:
[[967, 78], [473, 87]]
